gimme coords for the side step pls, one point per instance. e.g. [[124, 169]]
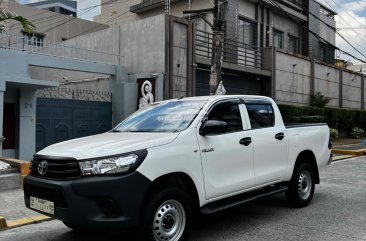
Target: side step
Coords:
[[241, 198]]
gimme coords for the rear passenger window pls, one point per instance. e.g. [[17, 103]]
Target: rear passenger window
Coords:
[[229, 112], [260, 115]]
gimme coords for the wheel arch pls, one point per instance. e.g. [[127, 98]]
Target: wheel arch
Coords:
[[307, 156], [176, 179]]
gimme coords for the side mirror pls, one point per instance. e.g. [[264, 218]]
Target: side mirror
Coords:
[[213, 127]]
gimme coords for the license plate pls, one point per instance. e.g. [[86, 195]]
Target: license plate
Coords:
[[42, 205]]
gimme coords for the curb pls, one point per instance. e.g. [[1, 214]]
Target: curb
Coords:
[[20, 222], [24, 167], [360, 152], [339, 158]]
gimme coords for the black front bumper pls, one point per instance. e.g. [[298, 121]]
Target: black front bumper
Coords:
[[103, 202]]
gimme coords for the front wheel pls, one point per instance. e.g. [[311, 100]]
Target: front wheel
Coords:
[[302, 186], [167, 216]]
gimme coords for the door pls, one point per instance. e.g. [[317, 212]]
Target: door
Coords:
[[9, 129], [227, 164], [60, 120], [270, 143]]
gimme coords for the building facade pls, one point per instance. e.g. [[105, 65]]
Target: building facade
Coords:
[[51, 26], [65, 7]]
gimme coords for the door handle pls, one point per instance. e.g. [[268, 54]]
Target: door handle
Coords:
[[246, 141], [280, 136]]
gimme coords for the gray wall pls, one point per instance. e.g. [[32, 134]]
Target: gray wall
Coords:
[[295, 82], [142, 45]]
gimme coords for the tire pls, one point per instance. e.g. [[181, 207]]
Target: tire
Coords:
[[302, 186], [167, 216]]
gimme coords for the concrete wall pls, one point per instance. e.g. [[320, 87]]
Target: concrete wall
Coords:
[[292, 79], [351, 90], [324, 31], [327, 82], [53, 25], [296, 78], [120, 10], [142, 45], [247, 9]]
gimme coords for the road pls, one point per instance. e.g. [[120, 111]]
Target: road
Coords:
[[338, 212]]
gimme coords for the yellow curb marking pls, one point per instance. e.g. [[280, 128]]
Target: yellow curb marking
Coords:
[[338, 158], [23, 221], [360, 152]]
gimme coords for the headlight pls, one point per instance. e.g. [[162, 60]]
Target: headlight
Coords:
[[111, 165]]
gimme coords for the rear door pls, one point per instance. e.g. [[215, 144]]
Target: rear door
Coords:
[[227, 164], [269, 141]]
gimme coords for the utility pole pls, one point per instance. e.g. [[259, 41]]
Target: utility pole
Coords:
[[217, 45], [217, 42]]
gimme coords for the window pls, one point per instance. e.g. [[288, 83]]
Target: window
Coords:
[[171, 116], [260, 115], [322, 52], [247, 32], [33, 39], [293, 44], [229, 112], [277, 39]]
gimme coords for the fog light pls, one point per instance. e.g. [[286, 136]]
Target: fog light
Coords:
[[109, 206]]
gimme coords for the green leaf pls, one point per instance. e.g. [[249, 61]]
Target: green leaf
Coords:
[[7, 15]]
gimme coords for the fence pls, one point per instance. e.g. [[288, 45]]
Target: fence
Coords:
[[74, 94], [233, 52], [32, 44]]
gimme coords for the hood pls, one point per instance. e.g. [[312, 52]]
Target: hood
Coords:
[[107, 144]]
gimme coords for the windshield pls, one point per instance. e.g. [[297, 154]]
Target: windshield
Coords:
[[171, 116]]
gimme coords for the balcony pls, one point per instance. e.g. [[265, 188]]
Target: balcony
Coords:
[[234, 52]]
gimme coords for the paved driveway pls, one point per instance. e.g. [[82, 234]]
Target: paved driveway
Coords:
[[338, 212]]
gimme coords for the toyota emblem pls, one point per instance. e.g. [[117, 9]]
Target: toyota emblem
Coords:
[[42, 167]]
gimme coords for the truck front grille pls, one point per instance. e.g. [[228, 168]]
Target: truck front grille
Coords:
[[45, 193], [56, 169]]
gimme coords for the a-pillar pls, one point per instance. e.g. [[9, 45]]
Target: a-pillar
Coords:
[[27, 124]]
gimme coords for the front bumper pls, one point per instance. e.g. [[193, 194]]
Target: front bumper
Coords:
[[103, 202]]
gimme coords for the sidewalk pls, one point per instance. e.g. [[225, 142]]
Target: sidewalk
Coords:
[[13, 209], [347, 148]]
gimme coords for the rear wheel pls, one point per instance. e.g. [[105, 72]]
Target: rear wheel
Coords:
[[167, 216], [302, 186]]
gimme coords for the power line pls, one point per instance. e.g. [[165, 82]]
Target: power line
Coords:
[[317, 35], [110, 20], [362, 39]]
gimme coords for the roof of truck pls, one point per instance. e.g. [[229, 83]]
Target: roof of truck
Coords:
[[217, 97]]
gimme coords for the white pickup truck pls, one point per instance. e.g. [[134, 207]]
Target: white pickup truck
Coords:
[[173, 158]]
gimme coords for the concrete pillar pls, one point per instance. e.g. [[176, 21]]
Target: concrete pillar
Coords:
[[1, 118], [27, 124], [340, 88]]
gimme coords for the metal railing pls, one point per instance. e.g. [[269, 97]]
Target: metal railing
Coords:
[[35, 45], [233, 52]]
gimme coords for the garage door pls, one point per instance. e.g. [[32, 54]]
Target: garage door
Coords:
[[61, 119]]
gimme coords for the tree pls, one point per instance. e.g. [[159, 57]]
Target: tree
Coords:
[[6, 16]]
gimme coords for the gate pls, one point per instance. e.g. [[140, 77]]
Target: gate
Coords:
[[64, 119]]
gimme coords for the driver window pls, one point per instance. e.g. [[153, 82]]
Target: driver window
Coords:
[[229, 112]]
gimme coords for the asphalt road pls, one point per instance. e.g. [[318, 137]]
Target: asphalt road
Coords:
[[338, 212]]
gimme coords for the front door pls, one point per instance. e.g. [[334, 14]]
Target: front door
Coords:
[[227, 164]]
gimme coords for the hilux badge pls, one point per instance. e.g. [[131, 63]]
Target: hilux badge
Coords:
[[42, 168]]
